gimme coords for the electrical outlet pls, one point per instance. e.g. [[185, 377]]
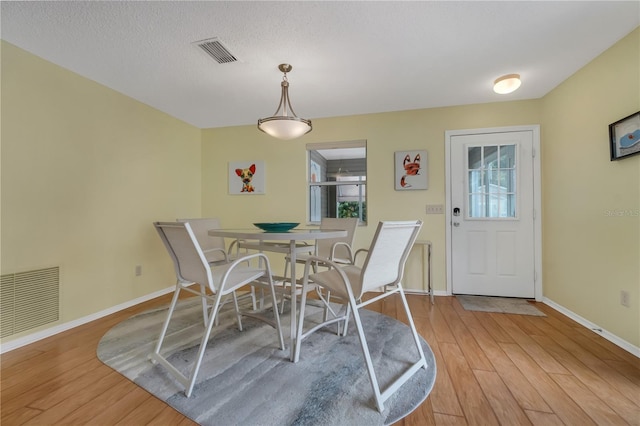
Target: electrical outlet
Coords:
[[625, 299], [138, 270], [435, 209]]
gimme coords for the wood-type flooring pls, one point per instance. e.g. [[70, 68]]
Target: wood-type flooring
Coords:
[[493, 369]]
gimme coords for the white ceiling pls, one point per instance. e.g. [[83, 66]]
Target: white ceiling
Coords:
[[348, 57]]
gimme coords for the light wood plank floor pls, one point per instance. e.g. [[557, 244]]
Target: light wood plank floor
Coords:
[[492, 369]]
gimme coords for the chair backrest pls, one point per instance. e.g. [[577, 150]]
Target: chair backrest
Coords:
[[349, 224], [183, 247], [387, 255], [200, 228]]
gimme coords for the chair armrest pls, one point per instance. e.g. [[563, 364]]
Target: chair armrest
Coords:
[[350, 259], [355, 257], [333, 266], [236, 243], [221, 250], [321, 261], [244, 262]]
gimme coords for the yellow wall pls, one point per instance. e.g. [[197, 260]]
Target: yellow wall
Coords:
[[85, 171], [285, 163], [591, 220], [588, 255]]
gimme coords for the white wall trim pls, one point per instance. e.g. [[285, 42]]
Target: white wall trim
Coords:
[[634, 350], [31, 338], [424, 292], [360, 143]]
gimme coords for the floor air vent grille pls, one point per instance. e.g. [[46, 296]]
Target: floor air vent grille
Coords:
[[29, 299]]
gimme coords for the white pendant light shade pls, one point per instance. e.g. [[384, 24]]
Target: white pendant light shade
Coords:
[[284, 128], [284, 124], [507, 84]]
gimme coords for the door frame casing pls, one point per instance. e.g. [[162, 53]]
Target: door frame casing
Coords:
[[537, 199]]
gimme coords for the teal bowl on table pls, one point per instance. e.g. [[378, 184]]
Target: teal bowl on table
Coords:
[[276, 226]]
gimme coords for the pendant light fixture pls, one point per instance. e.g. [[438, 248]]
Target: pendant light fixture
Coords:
[[507, 84], [285, 124]]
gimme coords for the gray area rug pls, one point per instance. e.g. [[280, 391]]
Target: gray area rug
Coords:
[[245, 379], [506, 305]]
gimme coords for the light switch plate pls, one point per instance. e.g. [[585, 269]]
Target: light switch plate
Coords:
[[435, 209]]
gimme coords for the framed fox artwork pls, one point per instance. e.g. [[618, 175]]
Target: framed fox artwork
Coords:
[[411, 170]]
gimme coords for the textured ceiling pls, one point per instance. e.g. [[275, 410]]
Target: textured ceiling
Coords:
[[348, 58]]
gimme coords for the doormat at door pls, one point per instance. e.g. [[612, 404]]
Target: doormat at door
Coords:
[[505, 305]]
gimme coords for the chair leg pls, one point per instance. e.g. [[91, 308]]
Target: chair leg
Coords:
[[282, 303], [165, 326], [297, 342], [253, 298], [205, 313], [261, 306], [346, 319], [237, 308], [274, 304], [203, 347], [222, 303], [325, 315], [412, 326], [189, 381], [367, 357], [286, 267], [393, 387], [284, 285]]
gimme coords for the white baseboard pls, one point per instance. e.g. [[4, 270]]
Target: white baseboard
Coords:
[[435, 292], [22, 341], [31, 338], [634, 350]]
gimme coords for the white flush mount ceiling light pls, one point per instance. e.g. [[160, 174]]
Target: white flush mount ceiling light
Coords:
[[507, 84], [284, 124]]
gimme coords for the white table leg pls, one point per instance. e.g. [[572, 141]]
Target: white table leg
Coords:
[[294, 302], [430, 282], [426, 265]]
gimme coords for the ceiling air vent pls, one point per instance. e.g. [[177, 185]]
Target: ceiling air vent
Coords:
[[216, 50]]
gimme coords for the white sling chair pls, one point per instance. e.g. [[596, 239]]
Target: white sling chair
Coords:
[[212, 247], [191, 266], [214, 251], [383, 267], [338, 250]]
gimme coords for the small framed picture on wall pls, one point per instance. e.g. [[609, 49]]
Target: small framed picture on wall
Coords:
[[411, 170], [624, 137], [246, 177]]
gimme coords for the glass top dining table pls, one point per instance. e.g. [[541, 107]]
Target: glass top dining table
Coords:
[[290, 243]]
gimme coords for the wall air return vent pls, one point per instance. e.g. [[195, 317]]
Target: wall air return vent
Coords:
[[214, 48], [29, 299]]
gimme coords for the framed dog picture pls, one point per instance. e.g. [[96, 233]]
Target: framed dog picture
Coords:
[[246, 177], [411, 170], [624, 137]]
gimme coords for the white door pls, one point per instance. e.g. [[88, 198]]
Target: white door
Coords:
[[492, 214]]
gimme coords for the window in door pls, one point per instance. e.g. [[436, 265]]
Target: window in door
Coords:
[[491, 175], [337, 180]]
